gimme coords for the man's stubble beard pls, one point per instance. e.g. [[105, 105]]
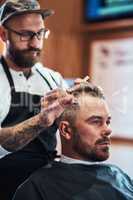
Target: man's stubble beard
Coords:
[[88, 154]]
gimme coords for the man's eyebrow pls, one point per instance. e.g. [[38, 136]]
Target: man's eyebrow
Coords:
[[93, 117], [96, 117], [27, 30]]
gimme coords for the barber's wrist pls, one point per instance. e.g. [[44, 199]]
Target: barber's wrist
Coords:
[[44, 120]]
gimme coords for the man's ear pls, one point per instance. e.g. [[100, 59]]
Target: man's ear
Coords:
[[65, 130], [3, 34]]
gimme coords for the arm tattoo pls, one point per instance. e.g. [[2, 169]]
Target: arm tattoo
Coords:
[[18, 136]]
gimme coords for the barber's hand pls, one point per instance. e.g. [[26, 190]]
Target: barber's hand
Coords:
[[52, 105], [77, 83], [81, 80]]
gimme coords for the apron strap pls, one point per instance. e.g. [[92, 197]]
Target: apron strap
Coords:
[[50, 87], [8, 74]]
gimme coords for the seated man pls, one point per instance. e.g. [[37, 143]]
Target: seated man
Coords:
[[85, 134]]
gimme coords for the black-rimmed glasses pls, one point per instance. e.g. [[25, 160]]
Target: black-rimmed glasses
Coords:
[[29, 35]]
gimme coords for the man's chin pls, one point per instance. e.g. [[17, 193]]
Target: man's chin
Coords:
[[27, 63], [27, 60], [102, 152], [103, 156], [100, 155]]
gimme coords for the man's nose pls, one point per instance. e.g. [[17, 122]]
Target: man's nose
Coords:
[[106, 130], [35, 42]]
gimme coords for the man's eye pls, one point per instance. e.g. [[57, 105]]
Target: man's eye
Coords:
[[96, 122], [26, 34]]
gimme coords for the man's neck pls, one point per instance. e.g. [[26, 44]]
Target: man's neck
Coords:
[[12, 65]]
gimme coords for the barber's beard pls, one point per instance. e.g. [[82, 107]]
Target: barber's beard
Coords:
[[23, 58]]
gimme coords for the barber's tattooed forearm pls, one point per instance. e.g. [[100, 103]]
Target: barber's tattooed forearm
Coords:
[[52, 105], [23, 133]]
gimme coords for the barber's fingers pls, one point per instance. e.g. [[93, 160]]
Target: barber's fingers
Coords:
[[62, 101], [49, 113], [81, 80], [77, 84], [53, 96], [54, 91], [58, 104], [48, 99], [66, 101]]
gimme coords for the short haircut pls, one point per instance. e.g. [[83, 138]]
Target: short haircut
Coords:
[[87, 88], [82, 89]]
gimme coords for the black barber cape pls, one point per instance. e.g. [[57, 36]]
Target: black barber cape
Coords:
[[77, 182]]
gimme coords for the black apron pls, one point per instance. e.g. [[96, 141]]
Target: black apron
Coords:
[[17, 166]]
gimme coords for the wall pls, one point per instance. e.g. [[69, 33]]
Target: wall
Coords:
[[65, 48]]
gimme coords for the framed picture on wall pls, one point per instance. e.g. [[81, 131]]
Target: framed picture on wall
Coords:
[[112, 69]]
